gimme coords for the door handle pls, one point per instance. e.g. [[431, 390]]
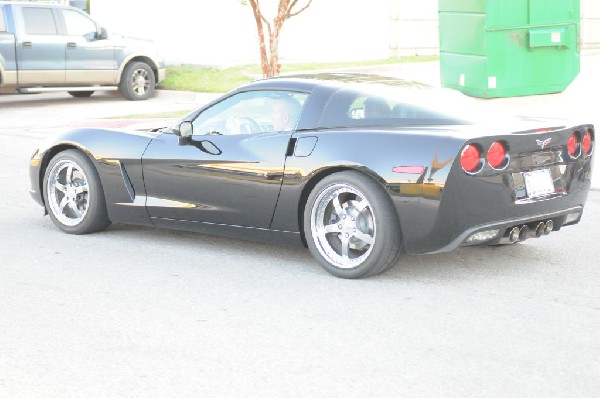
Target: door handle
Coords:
[[72, 45], [27, 44]]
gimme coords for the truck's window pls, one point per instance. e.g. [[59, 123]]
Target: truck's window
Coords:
[[79, 25], [39, 21], [2, 22]]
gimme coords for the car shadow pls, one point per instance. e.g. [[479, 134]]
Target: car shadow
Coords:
[[462, 264], [290, 258]]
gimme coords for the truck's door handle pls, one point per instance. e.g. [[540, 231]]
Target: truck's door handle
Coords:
[[27, 44], [71, 45]]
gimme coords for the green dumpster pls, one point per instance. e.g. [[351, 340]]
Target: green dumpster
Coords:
[[506, 48]]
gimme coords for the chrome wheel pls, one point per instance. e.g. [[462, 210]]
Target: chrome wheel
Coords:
[[343, 225], [137, 81], [140, 82], [68, 192]]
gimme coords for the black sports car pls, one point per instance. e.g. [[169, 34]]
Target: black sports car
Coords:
[[358, 168]]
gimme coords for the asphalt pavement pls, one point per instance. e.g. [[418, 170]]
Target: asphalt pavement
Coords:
[[142, 312]]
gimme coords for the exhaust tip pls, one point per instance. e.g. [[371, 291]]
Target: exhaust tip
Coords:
[[540, 229], [523, 232], [549, 227], [513, 236]]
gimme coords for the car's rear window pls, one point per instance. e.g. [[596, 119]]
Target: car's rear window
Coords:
[[382, 105]]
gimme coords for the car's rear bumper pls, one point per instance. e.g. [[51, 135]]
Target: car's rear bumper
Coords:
[[501, 229], [445, 215]]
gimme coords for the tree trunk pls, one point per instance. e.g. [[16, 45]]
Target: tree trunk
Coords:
[[270, 62], [264, 62]]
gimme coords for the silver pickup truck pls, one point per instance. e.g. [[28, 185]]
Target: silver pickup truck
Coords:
[[56, 48]]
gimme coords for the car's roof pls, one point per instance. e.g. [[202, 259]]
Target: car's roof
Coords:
[[35, 4], [309, 81]]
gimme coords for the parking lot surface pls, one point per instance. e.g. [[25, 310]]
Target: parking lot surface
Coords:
[[141, 312]]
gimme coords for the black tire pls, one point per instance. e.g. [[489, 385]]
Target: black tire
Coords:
[[359, 234], [80, 94], [137, 82], [73, 194]]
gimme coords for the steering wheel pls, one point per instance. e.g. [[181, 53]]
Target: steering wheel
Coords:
[[243, 125]]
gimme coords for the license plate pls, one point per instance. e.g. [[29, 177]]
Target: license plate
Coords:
[[538, 183]]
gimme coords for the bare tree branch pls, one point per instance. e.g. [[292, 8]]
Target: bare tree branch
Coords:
[[290, 14]]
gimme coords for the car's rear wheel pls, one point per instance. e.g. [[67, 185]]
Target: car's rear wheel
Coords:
[[73, 194], [137, 82], [351, 226]]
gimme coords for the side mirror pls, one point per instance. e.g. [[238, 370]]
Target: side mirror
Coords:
[[185, 130], [101, 34]]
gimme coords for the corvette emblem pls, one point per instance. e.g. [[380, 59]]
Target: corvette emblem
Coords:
[[543, 144]]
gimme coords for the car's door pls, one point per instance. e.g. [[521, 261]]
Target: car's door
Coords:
[[230, 172], [89, 59], [40, 48]]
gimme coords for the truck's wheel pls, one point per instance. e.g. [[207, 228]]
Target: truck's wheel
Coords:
[[80, 94], [137, 81]]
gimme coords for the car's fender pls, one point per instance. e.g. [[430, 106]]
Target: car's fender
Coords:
[[131, 49], [116, 155], [412, 166]]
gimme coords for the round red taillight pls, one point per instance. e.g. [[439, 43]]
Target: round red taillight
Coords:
[[470, 159], [573, 145], [496, 155], [586, 143]]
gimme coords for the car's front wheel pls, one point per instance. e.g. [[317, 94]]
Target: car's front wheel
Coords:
[[351, 226], [73, 194], [137, 82]]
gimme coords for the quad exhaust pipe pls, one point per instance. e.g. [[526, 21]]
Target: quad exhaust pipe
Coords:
[[523, 232]]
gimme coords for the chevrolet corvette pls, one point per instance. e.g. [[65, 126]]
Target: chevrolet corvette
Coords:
[[358, 168]]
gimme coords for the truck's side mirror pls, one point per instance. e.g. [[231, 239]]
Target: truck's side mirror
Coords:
[[102, 34]]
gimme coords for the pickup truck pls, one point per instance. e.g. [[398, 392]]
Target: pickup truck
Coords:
[[59, 48]]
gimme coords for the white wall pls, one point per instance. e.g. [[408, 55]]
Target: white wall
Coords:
[[223, 32], [414, 28], [590, 23]]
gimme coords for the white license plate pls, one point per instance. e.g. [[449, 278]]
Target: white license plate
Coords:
[[538, 183]]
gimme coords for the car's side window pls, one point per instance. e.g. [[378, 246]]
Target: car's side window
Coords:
[[252, 112], [39, 21], [353, 108], [79, 25]]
